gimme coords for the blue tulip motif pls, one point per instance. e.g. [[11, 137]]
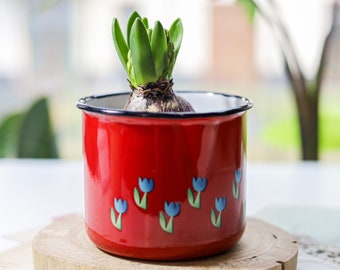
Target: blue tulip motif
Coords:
[[220, 205], [236, 183], [171, 209], [120, 206], [199, 184], [146, 186]]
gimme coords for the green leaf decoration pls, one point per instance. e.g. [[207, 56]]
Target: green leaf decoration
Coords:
[[191, 198], [113, 217], [120, 44], [219, 221], [162, 221], [213, 217], [198, 200], [249, 7], [159, 48], [216, 221], [116, 221], [170, 226], [144, 203], [136, 196], [194, 202], [36, 137], [141, 54], [234, 190]]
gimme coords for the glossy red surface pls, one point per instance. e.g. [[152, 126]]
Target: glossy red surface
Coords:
[[164, 189]]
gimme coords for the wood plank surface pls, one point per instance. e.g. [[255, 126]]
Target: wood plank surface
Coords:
[[65, 245]]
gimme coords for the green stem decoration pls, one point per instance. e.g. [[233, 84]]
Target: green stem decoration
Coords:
[[166, 226], [236, 190], [116, 221], [142, 203], [194, 201], [216, 221]]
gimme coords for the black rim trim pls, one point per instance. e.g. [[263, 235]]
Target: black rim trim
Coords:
[[82, 104]]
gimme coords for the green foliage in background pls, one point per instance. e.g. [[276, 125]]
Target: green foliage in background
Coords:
[[278, 135], [28, 134], [306, 89], [249, 7]]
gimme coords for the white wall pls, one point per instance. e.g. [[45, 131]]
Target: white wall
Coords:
[[307, 22]]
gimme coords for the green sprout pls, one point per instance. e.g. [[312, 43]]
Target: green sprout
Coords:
[[147, 54]]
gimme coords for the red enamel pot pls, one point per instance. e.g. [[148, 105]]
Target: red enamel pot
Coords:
[[165, 186]]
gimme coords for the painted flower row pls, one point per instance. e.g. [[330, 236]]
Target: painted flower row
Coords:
[[173, 209]]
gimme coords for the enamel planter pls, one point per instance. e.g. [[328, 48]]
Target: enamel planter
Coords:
[[165, 186]]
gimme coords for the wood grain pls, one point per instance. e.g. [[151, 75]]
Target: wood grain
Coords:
[[65, 245]]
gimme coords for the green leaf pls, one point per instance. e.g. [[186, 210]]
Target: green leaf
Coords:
[[9, 131], [147, 54], [28, 134], [249, 7], [149, 31], [131, 71], [146, 22], [36, 136], [120, 43], [176, 35], [132, 19], [141, 54], [159, 48]]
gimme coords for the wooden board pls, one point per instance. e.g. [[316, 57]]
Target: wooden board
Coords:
[[65, 245]]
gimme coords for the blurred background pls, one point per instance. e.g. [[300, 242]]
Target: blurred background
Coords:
[[62, 50]]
